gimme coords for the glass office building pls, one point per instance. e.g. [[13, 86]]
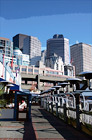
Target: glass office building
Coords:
[[60, 46]]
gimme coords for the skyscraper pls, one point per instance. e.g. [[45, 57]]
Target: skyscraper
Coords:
[[28, 45], [60, 46], [6, 47], [81, 56]]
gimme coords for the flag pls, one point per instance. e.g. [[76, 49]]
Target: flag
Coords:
[[12, 62], [71, 61]]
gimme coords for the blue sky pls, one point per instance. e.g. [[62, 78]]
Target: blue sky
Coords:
[[44, 18]]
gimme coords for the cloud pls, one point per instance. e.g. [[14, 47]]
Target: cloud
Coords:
[[18, 9], [72, 26]]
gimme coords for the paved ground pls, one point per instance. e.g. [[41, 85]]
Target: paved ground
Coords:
[[44, 126]]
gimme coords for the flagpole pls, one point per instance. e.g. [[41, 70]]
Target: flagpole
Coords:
[[12, 62], [3, 67]]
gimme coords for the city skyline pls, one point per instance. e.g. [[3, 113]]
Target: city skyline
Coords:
[[43, 19]]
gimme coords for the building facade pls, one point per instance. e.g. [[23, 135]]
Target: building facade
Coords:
[[6, 47], [28, 45], [60, 46], [43, 56], [81, 56], [18, 41], [21, 59], [55, 62]]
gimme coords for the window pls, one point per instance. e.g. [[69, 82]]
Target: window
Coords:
[[24, 69], [30, 70], [56, 66]]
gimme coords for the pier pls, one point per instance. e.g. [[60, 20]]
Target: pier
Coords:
[[44, 126]]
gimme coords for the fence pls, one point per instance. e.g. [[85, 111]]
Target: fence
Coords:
[[67, 109]]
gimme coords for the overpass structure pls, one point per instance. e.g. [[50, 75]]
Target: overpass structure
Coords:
[[41, 78], [42, 82]]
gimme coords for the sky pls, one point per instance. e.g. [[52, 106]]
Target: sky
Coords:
[[44, 18]]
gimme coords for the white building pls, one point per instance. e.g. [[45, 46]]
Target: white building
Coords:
[[55, 62], [21, 59]]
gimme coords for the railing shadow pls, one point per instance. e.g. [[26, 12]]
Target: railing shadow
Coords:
[[25, 130], [66, 131], [29, 133]]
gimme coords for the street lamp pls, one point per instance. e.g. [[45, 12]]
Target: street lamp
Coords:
[[87, 75], [74, 82], [8, 87], [64, 84]]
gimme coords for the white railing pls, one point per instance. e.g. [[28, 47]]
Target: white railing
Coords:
[[85, 115]]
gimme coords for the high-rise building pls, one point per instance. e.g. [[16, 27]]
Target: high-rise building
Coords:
[[81, 57], [60, 46], [43, 56], [18, 41], [28, 45], [6, 47]]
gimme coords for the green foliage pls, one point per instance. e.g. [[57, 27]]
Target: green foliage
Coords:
[[1, 89], [3, 102]]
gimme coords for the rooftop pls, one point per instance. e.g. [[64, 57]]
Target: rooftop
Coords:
[[2, 38]]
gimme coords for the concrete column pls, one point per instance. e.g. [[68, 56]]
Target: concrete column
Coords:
[[38, 81], [54, 83], [25, 81]]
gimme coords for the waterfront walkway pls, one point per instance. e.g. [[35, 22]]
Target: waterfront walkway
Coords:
[[44, 126]]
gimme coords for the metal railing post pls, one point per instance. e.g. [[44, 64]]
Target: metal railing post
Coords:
[[56, 106], [52, 107], [78, 111], [64, 111]]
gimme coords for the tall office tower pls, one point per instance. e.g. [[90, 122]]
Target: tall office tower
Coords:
[[6, 47], [81, 57], [18, 41], [28, 45], [43, 56], [60, 46]]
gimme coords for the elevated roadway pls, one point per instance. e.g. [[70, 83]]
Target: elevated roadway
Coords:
[[40, 78]]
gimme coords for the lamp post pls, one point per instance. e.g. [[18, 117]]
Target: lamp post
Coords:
[[88, 76], [57, 90], [74, 82], [5, 83], [63, 85], [52, 94], [8, 87]]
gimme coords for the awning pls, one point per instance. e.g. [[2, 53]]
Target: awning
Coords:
[[15, 87], [1, 79]]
